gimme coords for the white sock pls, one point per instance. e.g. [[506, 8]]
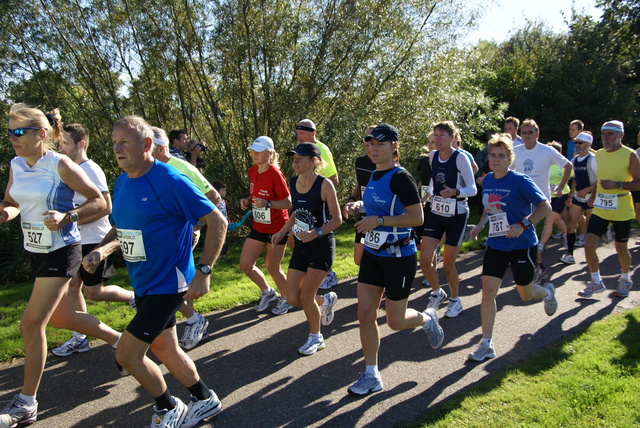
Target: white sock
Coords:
[[486, 342], [595, 277], [315, 336], [193, 318], [373, 370], [625, 276], [28, 399], [115, 345], [79, 336]]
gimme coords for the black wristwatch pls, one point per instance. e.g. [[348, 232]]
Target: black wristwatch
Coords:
[[73, 217], [526, 222], [268, 204], [205, 269], [380, 221]]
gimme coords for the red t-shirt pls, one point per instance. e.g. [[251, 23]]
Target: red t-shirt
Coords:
[[272, 186]]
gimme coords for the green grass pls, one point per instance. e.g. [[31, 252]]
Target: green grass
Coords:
[[590, 380], [229, 288]]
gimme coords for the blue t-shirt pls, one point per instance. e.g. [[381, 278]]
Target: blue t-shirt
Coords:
[[515, 194], [154, 215]]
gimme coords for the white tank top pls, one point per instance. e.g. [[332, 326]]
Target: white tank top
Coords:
[[38, 189]]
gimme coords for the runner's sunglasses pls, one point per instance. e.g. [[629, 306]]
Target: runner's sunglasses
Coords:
[[18, 132]]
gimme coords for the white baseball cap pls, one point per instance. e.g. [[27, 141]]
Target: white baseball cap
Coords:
[[261, 144]]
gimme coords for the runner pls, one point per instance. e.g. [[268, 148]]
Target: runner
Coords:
[[393, 207], [40, 189], [269, 200], [508, 197], [154, 209], [584, 166], [196, 325], [74, 144], [618, 172], [451, 184], [316, 214]]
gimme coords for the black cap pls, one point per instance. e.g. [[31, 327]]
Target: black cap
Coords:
[[305, 149], [383, 132]]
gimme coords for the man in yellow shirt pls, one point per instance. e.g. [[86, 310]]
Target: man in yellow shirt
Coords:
[[618, 172]]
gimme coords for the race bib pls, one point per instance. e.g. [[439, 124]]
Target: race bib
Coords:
[[132, 245], [606, 202], [375, 238], [261, 215], [37, 238], [299, 227], [498, 225], [443, 207]]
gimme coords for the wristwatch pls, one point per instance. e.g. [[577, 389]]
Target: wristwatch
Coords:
[[380, 221], [73, 217], [319, 232], [268, 204], [205, 269], [526, 223]]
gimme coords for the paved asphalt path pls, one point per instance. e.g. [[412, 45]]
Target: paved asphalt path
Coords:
[[251, 359]]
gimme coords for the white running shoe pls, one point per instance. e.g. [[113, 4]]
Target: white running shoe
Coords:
[[282, 307], [312, 345], [425, 282], [169, 418], [193, 333], [550, 303], [201, 409], [608, 237], [483, 352], [454, 308], [330, 300], [541, 276], [331, 280], [558, 235], [436, 298], [623, 288], [366, 384], [568, 259], [592, 288], [72, 345], [266, 296], [580, 240], [435, 334], [18, 413]]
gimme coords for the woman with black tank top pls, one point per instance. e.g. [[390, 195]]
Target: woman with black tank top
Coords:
[[316, 214], [452, 182]]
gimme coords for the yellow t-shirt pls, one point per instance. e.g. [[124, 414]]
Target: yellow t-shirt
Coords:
[[615, 166]]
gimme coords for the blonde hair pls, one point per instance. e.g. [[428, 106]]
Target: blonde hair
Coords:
[[51, 122], [504, 141], [273, 158]]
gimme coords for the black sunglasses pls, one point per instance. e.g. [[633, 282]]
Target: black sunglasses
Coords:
[[18, 132], [580, 142]]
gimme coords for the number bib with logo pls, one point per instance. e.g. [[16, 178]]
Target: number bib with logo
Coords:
[[132, 245], [37, 238], [375, 238], [445, 207], [606, 202], [299, 227], [498, 225], [261, 215]]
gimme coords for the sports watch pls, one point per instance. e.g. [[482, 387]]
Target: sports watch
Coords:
[[268, 204], [205, 269], [380, 221], [526, 222], [73, 217]]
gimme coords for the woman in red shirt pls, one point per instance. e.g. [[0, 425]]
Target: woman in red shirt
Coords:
[[269, 201]]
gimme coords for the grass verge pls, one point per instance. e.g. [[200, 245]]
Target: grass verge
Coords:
[[590, 380]]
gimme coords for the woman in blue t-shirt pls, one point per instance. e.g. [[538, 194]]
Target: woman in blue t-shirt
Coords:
[[389, 260], [507, 197]]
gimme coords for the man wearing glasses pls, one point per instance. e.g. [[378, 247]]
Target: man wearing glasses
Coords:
[[535, 159]]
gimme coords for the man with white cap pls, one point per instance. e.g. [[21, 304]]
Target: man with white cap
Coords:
[[584, 166], [196, 326], [618, 172], [306, 133]]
